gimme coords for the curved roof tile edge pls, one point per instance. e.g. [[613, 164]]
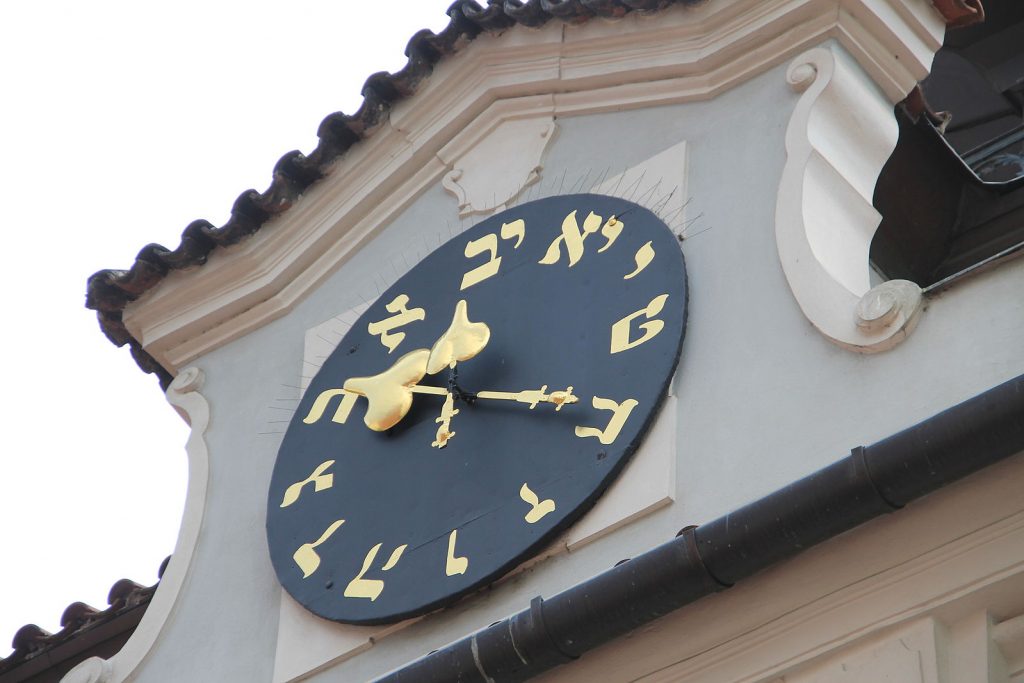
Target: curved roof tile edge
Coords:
[[108, 292], [31, 641]]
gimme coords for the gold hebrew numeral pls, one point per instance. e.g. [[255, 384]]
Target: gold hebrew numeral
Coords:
[[402, 316], [319, 479], [539, 508], [306, 556], [620, 412], [488, 244], [454, 565], [643, 257], [360, 587], [620, 330], [348, 401], [572, 237]]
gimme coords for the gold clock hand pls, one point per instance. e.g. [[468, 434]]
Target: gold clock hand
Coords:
[[532, 396], [461, 341], [448, 411], [389, 394], [427, 389]]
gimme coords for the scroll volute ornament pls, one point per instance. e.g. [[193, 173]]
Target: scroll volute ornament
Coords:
[[840, 135]]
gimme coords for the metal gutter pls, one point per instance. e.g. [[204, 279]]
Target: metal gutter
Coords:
[[975, 269], [870, 481]]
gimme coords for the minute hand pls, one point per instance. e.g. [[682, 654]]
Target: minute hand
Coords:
[[532, 396]]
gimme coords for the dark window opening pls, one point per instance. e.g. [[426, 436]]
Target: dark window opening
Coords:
[[952, 193]]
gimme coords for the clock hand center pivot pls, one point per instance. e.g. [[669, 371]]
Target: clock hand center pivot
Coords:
[[454, 389]]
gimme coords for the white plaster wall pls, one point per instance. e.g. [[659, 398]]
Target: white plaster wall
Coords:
[[763, 398]]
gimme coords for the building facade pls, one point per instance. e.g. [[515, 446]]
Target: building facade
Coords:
[[796, 459]]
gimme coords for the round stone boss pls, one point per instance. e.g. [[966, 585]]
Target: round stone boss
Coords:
[[478, 408]]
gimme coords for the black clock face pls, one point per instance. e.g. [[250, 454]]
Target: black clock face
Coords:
[[477, 409]]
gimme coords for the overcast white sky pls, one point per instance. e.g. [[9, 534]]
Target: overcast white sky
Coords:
[[120, 123]]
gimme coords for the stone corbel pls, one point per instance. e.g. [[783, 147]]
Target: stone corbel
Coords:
[[184, 395], [840, 135]]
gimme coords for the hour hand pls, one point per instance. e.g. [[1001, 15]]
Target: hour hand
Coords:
[[532, 396], [389, 393]]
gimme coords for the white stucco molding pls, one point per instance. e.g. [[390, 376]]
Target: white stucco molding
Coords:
[[681, 54], [505, 158], [840, 135], [913, 654], [92, 670], [184, 395], [1008, 636]]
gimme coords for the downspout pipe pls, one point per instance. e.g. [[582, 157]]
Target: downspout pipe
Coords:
[[870, 481]]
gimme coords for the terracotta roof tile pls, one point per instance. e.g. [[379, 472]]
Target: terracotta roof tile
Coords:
[[958, 13], [38, 649]]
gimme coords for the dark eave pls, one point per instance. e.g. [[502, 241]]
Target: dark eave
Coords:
[[938, 217], [110, 291], [869, 482], [951, 195]]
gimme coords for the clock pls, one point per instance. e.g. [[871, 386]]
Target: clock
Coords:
[[478, 408]]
